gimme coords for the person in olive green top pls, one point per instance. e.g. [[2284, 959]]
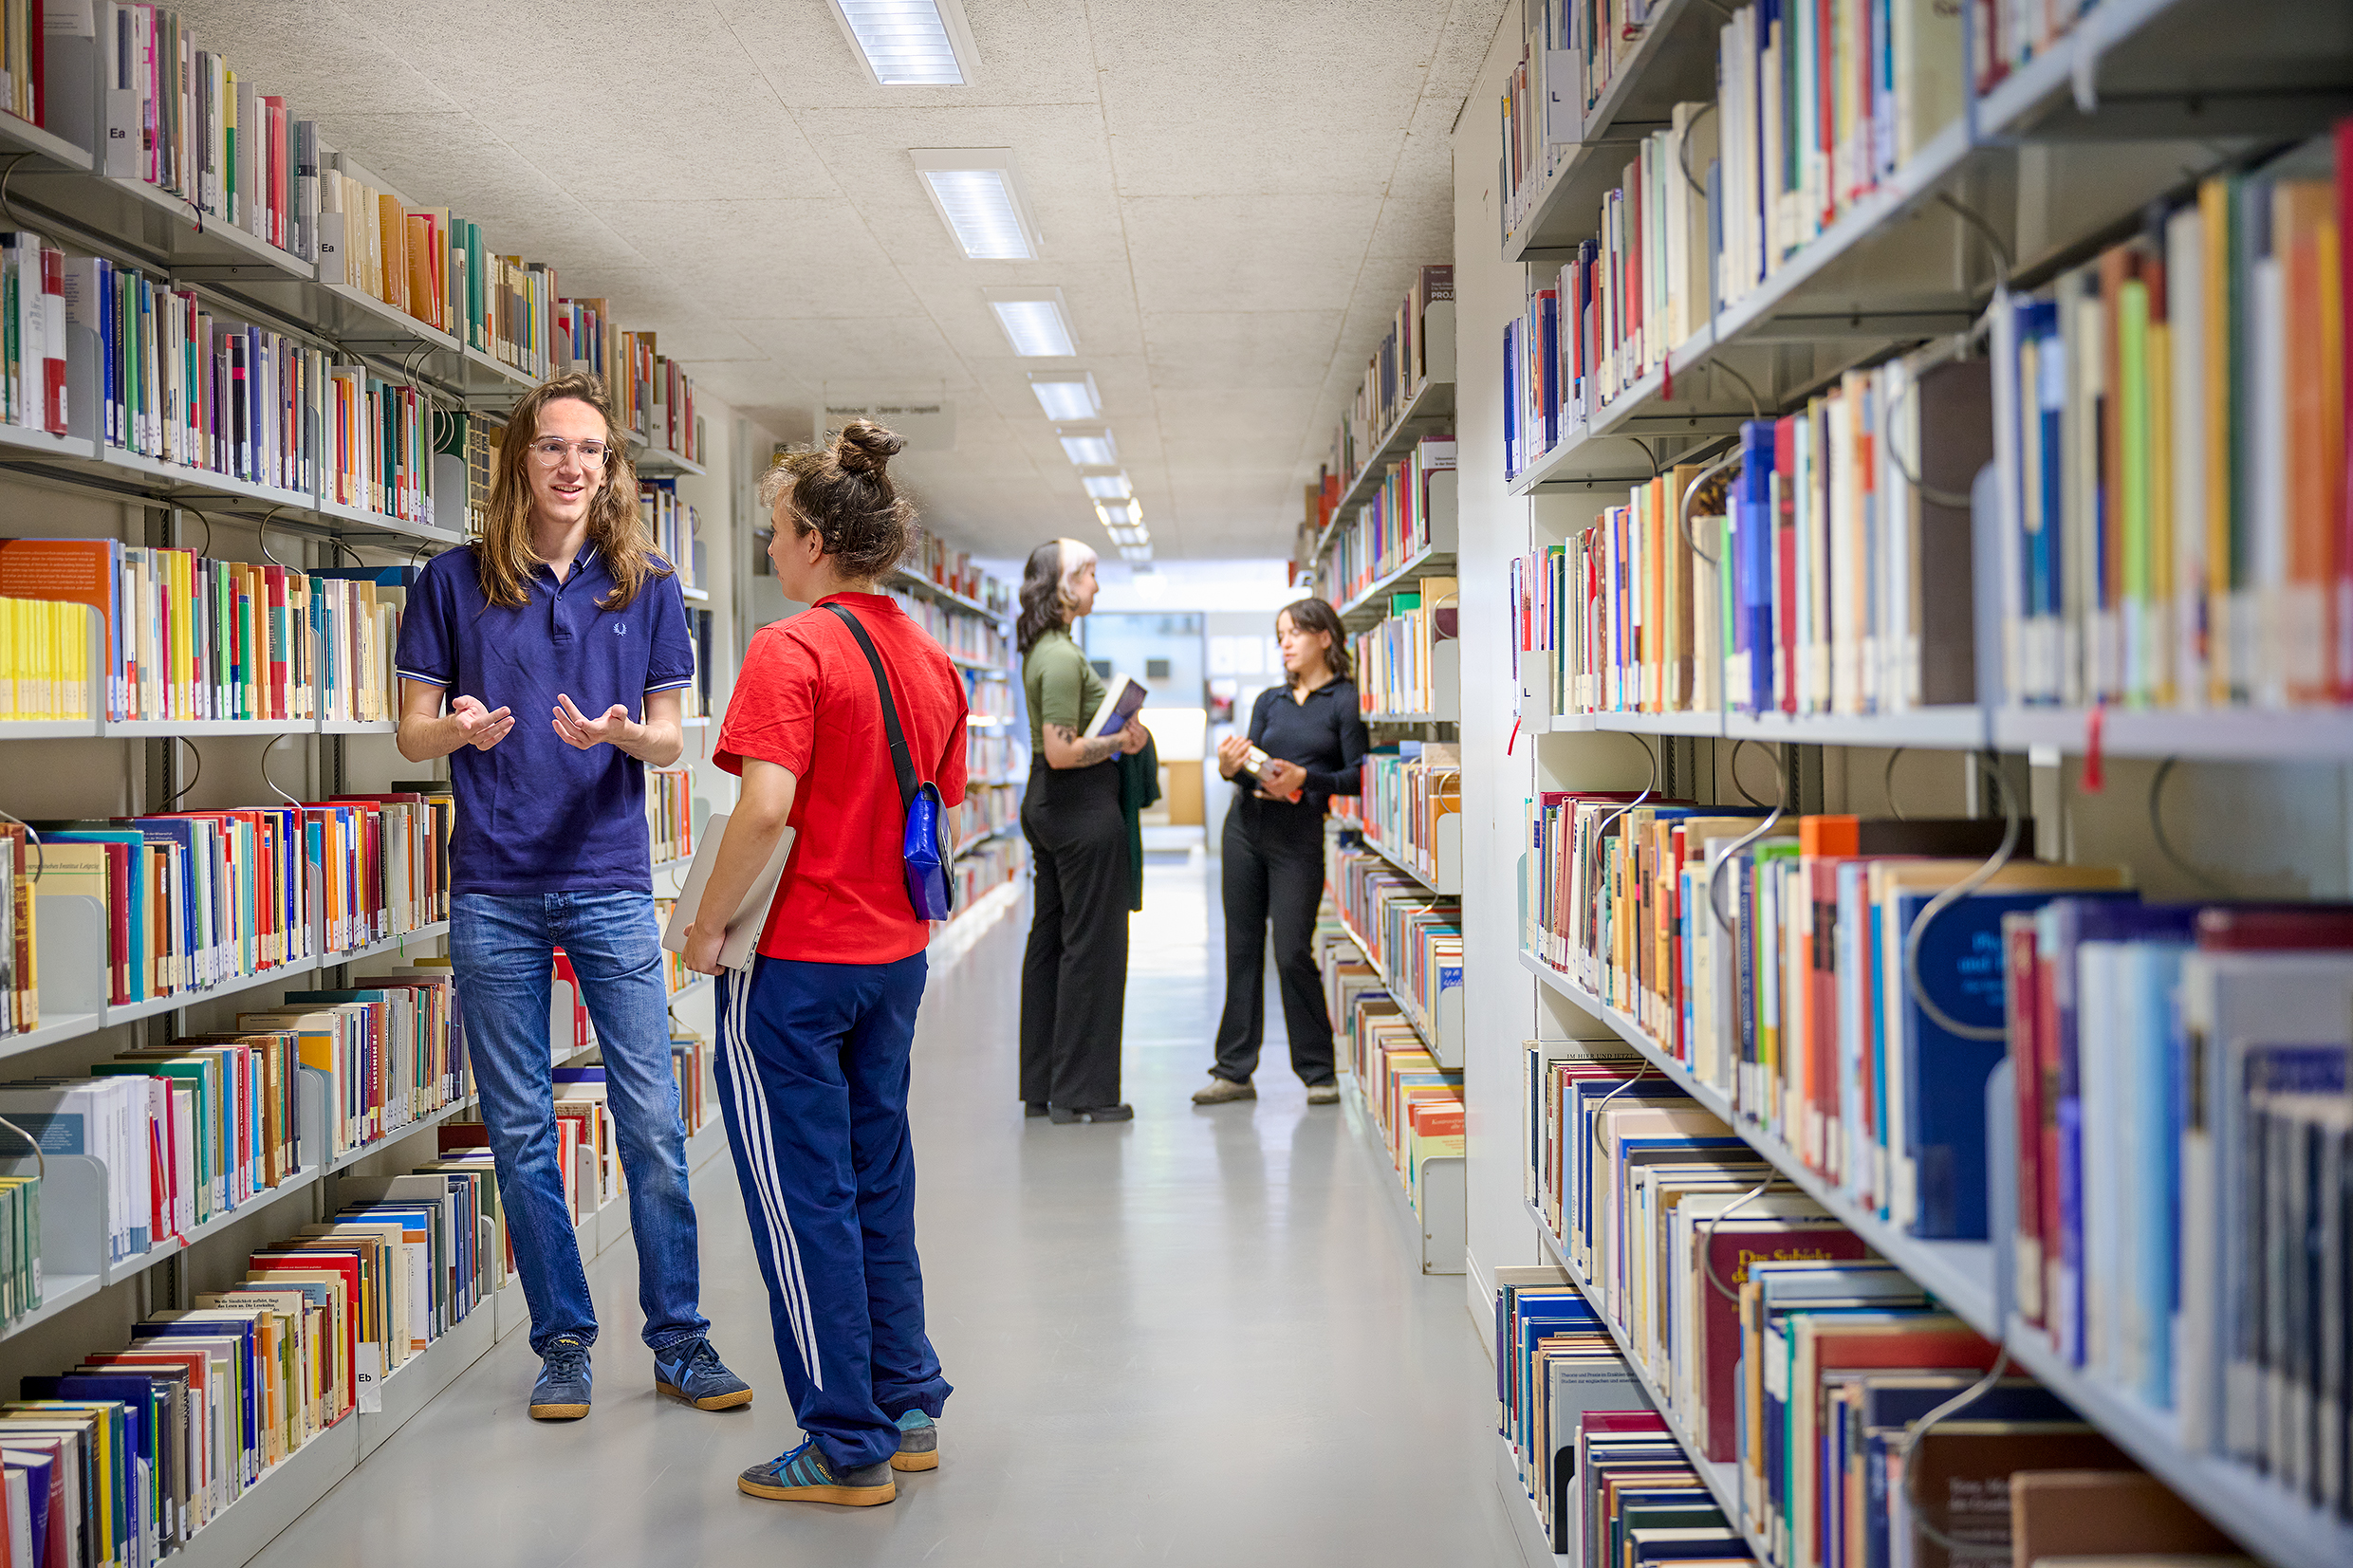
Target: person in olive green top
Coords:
[[1074, 977]]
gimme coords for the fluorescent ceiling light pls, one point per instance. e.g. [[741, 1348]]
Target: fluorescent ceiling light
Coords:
[[1090, 447], [978, 195], [1067, 394], [1129, 536], [1036, 323], [910, 42], [1119, 514], [1107, 486], [1136, 552]]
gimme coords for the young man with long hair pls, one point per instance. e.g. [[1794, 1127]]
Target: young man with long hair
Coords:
[[564, 609]]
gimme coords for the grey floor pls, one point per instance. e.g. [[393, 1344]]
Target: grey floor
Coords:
[[1192, 1339]]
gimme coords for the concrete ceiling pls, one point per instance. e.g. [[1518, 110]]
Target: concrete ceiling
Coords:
[[1233, 197]]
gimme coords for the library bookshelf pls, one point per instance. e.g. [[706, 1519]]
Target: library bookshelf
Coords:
[[87, 481], [2035, 177]]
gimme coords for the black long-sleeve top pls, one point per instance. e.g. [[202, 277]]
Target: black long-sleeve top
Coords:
[[1325, 735]]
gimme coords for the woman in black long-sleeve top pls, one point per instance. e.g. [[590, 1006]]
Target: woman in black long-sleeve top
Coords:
[[1273, 852]]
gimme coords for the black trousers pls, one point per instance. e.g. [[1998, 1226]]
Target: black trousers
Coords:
[[1274, 860], [1074, 977]]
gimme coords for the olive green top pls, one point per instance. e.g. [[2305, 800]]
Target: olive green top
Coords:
[[1061, 686]]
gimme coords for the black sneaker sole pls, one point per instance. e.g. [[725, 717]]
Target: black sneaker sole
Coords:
[[1102, 1113], [713, 1402]]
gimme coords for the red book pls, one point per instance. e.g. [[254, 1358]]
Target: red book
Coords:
[[53, 319], [2342, 501], [2022, 981], [2275, 928], [1730, 1248]]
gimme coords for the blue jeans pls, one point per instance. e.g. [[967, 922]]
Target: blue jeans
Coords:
[[502, 951], [813, 1079]]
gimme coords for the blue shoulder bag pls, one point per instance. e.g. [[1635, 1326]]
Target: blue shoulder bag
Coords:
[[930, 858]]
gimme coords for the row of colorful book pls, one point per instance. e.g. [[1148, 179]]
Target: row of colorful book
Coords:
[[1606, 1481], [1395, 662], [1806, 1375], [1825, 573], [1409, 790], [2185, 1147], [191, 900], [991, 809], [674, 527], [1411, 515], [1782, 968], [968, 636], [184, 636], [994, 754], [194, 1130], [1413, 936], [129, 1454], [2174, 527], [955, 570], [670, 813], [1419, 351], [1412, 1100], [1418, 347], [986, 867]]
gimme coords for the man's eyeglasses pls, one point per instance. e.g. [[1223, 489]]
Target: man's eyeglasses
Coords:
[[550, 452]]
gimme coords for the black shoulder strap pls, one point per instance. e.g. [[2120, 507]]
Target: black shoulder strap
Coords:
[[900, 757]]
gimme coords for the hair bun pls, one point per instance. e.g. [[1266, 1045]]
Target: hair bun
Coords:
[[864, 446]]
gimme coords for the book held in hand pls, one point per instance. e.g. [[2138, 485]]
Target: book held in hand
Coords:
[[1122, 702], [744, 926]]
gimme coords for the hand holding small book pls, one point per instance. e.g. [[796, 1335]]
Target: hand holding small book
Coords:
[[1280, 780]]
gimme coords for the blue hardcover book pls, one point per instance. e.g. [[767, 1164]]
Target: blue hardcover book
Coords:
[[1753, 511], [2063, 926], [1944, 1118], [37, 1469]]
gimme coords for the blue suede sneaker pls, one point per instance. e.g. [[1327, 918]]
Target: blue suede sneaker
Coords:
[[562, 1391], [806, 1475], [693, 1372], [918, 1443]]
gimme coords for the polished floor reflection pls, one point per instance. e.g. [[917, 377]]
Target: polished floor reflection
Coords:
[[1190, 1339]]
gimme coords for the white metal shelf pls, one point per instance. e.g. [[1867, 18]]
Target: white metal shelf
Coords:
[[918, 583], [73, 1026], [2220, 734], [1361, 610], [1959, 1274], [662, 460]]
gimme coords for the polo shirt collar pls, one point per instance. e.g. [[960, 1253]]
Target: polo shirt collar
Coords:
[[589, 560]]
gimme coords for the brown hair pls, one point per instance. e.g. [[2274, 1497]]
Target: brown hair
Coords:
[[1046, 590], [504, 557], [1312, 616], [842, 491]]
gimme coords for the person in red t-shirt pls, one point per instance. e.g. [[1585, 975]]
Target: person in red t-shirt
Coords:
[[814, 1039]]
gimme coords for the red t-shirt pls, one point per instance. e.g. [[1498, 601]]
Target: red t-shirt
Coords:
[[805, 701]]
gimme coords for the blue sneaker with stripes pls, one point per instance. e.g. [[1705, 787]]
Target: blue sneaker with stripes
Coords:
[[693, 1372], [918, 1443], [806, 1475]]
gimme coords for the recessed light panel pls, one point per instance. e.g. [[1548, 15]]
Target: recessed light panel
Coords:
[[1090, 447], [1107, 486], [1067, 394], [978, 194], [909, 42], [1034, 322]]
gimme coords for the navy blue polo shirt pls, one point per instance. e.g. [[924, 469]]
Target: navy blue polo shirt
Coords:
[[535, 814]]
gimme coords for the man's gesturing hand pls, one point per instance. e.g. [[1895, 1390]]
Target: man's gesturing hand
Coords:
[[613, 725], [480, 726]]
